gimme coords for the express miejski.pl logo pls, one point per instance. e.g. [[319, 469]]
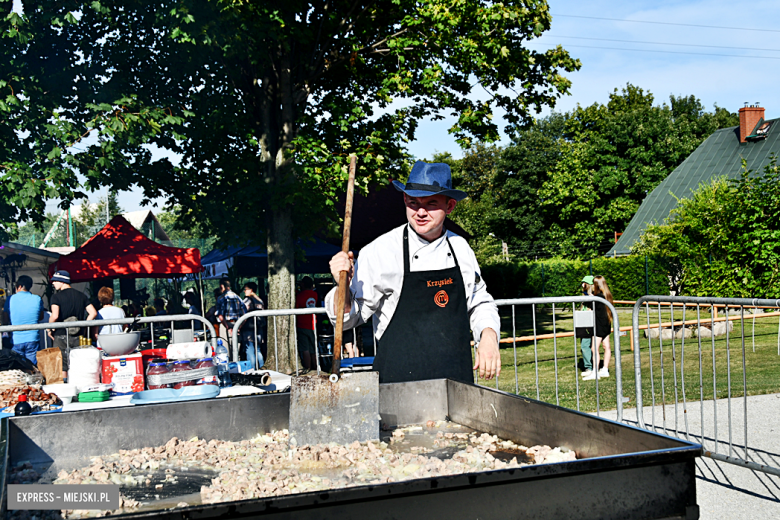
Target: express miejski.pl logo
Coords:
[[441, 299]]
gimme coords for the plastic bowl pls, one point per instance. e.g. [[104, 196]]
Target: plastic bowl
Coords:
[[119, 344], [66, 400], [61, 390]]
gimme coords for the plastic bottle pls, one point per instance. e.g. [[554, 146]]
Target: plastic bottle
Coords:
[[22, 407], [223, 358]]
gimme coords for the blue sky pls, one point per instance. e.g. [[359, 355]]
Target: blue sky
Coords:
[[723, 67], [727, 81]]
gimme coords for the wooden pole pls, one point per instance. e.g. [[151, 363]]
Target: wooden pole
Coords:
[[341, 294]]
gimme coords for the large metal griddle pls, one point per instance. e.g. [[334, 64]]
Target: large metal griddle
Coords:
[[625, 472]]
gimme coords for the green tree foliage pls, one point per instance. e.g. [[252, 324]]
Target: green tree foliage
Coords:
[[612, 156], [183, 235], [628, 277], [94, 216], [36, 93], [88, 220], [524, 167], [725, 239], [264, 102], [477, 174], [565, 184]]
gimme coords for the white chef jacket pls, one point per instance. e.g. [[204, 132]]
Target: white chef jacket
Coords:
[[379, 275]]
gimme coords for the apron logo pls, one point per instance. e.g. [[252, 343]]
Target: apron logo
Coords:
[[441, 299], [439, 283]]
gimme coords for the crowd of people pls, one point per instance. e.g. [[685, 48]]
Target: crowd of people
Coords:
[[69, 304]]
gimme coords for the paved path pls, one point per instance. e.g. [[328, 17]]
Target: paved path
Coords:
[[725, 491]]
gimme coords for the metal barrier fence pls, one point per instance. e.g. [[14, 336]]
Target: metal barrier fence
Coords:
[[534, 304], [322, 354], [274, 314], [151, 320], [657, 358], [561, 378]]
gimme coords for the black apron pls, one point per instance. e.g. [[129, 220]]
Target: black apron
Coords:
[[428, 336]]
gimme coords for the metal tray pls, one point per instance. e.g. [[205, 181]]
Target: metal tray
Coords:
[[623, 472]]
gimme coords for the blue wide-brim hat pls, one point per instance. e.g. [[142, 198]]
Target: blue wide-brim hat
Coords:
[[428, 179]]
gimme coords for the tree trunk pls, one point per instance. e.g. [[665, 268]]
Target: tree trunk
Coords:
[[281, 272]]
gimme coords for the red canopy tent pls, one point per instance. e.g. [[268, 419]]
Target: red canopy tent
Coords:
[[121, 251]]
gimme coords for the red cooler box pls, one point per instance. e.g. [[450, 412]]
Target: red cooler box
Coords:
[[126, 372]]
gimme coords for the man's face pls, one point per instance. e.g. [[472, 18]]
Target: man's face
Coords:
[[57, 285], [426, 214], [247, 292]]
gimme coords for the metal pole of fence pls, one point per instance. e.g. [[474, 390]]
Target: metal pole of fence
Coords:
[[754, 329], [576, 375], [701, 374], [295, 343], [151, 328], [618, 366], [476, 372], [714, 375], [536, 354], [674, 372], [317, 347], [661, 354], [373, 334], [499, 357], [276, 345], [728, 379], [514, 349], [682, 376], [256, 338], [650, 357], [595, 359], [555, 356], [637, 365], [744, 377]]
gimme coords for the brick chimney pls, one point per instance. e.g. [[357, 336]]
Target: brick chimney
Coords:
[[749, 116]]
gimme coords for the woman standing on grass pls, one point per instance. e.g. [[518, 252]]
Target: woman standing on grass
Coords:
[[603, 327]]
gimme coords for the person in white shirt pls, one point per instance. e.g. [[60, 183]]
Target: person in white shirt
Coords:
[[109, 312], [423, 283]]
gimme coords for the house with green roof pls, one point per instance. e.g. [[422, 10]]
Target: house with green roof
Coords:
[[755, 140]]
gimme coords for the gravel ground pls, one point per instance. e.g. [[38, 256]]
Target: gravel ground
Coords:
[[726, 491]]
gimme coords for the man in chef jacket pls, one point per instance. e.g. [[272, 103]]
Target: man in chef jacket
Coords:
[[423, 284]]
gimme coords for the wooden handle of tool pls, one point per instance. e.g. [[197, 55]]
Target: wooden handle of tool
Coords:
[[341, 293]]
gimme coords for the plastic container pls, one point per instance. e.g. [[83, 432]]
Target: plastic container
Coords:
[[181, 366], [22, 407], [94, 397], [85, 366], [152, 353], [208, 380], [156, 368]]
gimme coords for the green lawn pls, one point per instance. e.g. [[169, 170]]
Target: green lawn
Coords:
[[762, 366]]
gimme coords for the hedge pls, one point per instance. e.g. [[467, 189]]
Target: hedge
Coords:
[[558, 277]]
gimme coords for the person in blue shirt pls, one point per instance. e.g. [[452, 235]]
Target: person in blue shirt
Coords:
[[25, 308]]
